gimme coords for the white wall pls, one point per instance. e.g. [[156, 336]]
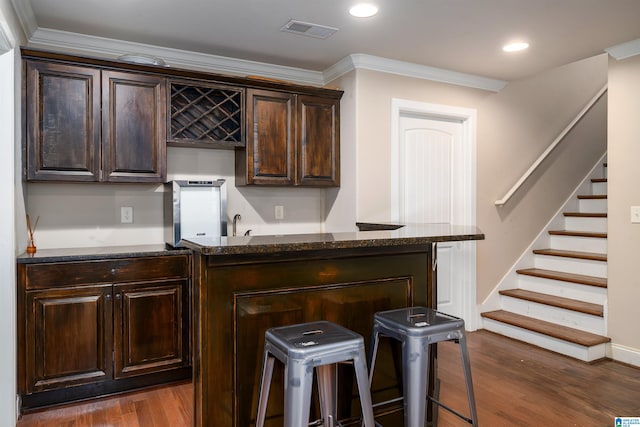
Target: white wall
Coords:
[[10, 192], [514, 127], [340, 203], [624, 192], [85, 215]]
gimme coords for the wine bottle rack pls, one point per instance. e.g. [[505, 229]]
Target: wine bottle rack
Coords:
[[206, 115]]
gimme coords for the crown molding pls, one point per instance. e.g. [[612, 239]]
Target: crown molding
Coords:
[[624, 50], [92, 45], [408, 69], [112, 48], [27, 18]]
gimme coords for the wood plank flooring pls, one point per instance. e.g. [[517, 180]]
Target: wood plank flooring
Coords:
[[515, 384]]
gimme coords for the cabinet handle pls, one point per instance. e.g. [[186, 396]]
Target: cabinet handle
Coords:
[[107, 296], [118, 296]]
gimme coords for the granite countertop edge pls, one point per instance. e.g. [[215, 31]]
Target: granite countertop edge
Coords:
[[377, 235], [99, 253]]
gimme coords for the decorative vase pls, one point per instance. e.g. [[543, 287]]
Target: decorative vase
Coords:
[[31, 247]]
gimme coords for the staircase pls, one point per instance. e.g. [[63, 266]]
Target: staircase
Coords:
[[560, 302]]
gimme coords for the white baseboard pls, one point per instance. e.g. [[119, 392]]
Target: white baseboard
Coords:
[[626, 355]]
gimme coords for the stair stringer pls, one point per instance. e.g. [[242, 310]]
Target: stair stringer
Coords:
[[542, 240]]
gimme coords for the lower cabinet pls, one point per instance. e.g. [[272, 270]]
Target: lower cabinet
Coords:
[[78, 340]]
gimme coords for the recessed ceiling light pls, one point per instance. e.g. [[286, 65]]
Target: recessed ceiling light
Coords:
[[363, 10], [515, 46]]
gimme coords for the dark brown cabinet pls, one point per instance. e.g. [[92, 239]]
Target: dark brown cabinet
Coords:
[[292, 139], [71, 337], [84, 124], [149, 327], [92, 327]]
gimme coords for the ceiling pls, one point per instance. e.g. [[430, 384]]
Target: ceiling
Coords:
[[459, 35]]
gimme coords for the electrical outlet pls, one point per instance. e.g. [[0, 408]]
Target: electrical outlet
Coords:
[[279, 212], [635, 214], [126, 215]]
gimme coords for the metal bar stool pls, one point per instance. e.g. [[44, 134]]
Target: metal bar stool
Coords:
[[301, 348], [416, 328]]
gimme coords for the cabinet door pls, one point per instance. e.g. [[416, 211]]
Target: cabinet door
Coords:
[[151, 325], [133, 127], [68, 337], [63, 122], [270, 143], [318, 128]]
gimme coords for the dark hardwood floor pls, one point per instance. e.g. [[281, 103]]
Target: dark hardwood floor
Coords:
[[515, 384]]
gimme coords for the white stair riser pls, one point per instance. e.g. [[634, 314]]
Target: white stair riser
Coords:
[[593, 294], [595, 225], [598, 188], [559, 316], [586, 354], [571, 265], [584, 244], [592, 205]]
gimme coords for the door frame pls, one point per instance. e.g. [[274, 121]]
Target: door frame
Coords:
[[468, 119]]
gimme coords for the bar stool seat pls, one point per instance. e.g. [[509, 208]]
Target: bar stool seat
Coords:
[[417, 328], [303, 348]]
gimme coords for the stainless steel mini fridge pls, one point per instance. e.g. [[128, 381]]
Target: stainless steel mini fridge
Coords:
[[194, 209]]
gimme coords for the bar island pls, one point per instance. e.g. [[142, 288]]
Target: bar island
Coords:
[[245, 285]]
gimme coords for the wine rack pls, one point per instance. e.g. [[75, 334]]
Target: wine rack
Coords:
[[206, 115]]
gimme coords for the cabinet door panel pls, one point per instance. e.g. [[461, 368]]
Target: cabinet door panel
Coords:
[[270, 145], [63, 122], [134, 127], [151, 327], [318, 129], [69, 337]]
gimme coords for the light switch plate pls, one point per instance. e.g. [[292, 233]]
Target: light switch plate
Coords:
[[635, 214]]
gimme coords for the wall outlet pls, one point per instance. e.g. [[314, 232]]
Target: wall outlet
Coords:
[[635, 214], [126, 215], [279, 212]]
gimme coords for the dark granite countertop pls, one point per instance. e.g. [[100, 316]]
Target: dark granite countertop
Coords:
[[98, 253], [389, 235]]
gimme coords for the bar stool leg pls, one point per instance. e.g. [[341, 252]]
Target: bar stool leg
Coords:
[[375, 336], [415, 362], [363, 390], [462, 341], [265, 385], [327, 390], [297, 391]]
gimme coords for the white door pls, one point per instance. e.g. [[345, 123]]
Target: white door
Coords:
[[427, 191], [434, 158]]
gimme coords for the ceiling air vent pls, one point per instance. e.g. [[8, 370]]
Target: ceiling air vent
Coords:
[[308, 29]]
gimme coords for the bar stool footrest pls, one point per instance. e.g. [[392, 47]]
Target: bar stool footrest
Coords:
[[453, 411]]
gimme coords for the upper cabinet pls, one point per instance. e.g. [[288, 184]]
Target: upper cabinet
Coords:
[[292, 139], [98, 120], [84, 124], [133, 127]]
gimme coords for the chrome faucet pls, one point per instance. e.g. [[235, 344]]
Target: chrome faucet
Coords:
[[236, 217]]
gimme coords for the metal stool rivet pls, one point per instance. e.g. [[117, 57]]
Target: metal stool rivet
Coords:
[[416, 328], [301, 348]]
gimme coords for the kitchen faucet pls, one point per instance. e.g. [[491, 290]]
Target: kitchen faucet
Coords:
[[236, 217]]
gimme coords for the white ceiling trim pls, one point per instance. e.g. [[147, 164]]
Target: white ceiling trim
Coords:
[[625, 50], [408, 69], [92, 45], [26, 16]]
